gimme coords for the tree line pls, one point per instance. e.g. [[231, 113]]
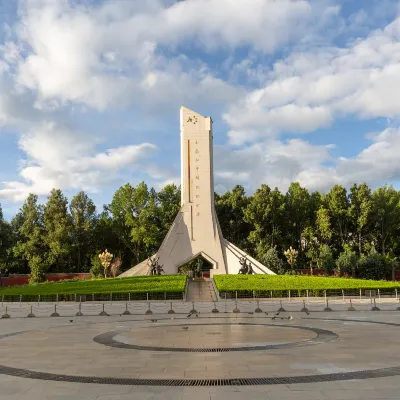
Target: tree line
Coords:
[[355, 232]]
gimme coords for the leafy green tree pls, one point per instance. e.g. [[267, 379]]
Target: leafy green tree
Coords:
[[7, 240], [373, 266], [230, 208], [84, 218], [297, 214], [325, 258], [57, 231], [97, 269], [347, 261], [323, 225], [338, 206], [265, 214], [31, 245], [360, 211], [272, 261], [386, 215], [169, 201]]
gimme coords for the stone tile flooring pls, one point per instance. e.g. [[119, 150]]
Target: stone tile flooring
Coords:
[[58, 346]]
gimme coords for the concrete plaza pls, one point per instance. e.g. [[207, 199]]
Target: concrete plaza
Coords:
[[119, 354]]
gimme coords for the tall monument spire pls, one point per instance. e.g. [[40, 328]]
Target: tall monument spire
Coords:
[[195, 230]]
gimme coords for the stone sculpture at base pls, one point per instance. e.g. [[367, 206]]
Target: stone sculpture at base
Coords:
[[195, 230]]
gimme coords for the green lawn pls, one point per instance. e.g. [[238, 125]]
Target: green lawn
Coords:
[[134, 285], [263, 283]]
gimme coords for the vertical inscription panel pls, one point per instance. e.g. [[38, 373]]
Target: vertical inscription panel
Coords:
[[197, 164]]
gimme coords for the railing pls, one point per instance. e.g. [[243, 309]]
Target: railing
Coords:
[[120, 308]]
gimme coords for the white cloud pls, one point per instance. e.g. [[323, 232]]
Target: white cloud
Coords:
[[307, 90], [59, 157], [279, 163], [107, 54]]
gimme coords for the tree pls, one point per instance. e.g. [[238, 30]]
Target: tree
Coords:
[[325, 258], [83, 213], [291, 256], [373, 266], [265, 214], [360, 211], [323, 225], [297, 213], [115, 266], [386, 215], [97, 269], [57, 231], [347, 261], [230, 208], [338, 207], [105, 259], [6, 243], [169, 200], [30, 245], [272, 261]]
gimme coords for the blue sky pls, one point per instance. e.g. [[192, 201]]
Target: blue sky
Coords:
[[299, 90]]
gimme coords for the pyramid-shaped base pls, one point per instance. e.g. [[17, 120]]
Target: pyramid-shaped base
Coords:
[[180, 247]]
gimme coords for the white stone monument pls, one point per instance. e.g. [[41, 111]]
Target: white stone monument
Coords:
[[195, 231]]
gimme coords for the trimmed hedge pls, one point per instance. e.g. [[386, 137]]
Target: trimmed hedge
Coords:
[[137, 284], [280, 283]]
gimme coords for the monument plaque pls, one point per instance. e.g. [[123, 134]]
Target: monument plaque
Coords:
[[195, 230]]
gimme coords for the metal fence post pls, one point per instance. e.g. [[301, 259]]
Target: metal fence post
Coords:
[[343, 296], [325, 296], [236, 295], [307, 297], [20, 300], [289, 295], [2, 300], [38, 301], [110, 298], [360, 296], [147, 296], [129, 297], [379, 294], [396, 293]]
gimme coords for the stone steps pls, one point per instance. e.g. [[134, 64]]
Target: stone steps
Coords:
[[200, 291]]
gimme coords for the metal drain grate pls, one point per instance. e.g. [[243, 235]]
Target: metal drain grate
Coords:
[[322, 336], [367, 374]]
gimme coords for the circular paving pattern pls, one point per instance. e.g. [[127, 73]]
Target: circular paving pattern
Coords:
[[224, 337], [276, 353]]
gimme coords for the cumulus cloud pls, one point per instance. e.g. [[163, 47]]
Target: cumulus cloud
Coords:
[[308, 90], [278, 163], [57, 157], [107, 54]]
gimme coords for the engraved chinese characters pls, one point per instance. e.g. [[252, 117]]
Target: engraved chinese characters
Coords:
[[197, 176]]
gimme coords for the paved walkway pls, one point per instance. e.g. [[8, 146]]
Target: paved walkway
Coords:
[[65, 346]]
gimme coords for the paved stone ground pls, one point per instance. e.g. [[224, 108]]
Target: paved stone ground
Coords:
[[56, 345]]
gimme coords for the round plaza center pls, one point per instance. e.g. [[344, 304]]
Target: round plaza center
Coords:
[[214, 336]]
